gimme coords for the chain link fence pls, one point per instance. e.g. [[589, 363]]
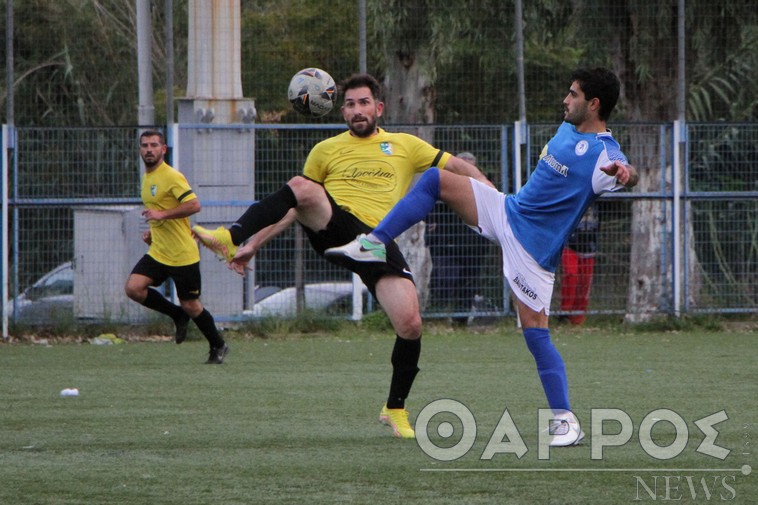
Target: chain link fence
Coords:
[[56, 219]]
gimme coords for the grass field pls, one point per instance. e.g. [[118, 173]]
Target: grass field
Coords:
[[293, 420]]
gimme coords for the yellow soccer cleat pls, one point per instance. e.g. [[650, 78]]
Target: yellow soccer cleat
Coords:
[[397, 419], [219, 241]]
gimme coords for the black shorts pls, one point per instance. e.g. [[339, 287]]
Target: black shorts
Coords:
[[344, 227], [186, 278]]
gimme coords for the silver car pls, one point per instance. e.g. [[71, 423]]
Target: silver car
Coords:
[[325, 297], [48, 300]]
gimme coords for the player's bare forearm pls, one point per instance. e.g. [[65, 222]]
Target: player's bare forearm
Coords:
[[248, 251], [458, 166], [184, 209]]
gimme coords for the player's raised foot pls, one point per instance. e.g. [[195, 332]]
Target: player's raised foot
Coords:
[[181, 328], [360, 249], [219, 241], [564, 430], [217, 354], [397, 419]]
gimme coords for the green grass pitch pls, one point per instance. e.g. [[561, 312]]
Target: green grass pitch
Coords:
[[293, 420]]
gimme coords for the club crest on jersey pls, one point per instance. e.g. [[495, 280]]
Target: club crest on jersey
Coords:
[[153, 189], [386, 148], [581, 147]]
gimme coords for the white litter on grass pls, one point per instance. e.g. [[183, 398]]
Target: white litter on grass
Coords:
[[70, 392]]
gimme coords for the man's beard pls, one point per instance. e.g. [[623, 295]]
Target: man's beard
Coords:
[[576, 118], [149, 164], [367, 131]]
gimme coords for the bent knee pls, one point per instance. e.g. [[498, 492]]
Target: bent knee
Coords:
[[409, 327], [305, 190], [135, 293]]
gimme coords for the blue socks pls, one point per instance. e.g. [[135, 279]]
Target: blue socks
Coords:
[[550, 367], [412, 208]]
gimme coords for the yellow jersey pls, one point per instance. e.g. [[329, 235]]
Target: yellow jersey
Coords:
[[368, 176], [172, 243]]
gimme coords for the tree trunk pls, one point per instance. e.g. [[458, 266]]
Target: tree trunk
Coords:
[[409, 100], [650, 96]]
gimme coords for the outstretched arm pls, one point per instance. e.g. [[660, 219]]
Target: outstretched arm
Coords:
[[625, 174], [458, 166], [246, 252]]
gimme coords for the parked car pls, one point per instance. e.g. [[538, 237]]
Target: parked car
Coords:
[[49, 299], [325, 297]]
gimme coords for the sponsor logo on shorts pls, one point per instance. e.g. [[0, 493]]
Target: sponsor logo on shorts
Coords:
[[524, 286]]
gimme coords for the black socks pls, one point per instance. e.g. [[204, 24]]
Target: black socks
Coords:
[[159, 303], [405, 358], [267, 211], [207, 326]]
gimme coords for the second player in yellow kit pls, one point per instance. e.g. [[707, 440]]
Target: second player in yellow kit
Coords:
[[173, 253]]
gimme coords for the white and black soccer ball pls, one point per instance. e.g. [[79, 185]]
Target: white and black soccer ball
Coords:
[[312, 92]]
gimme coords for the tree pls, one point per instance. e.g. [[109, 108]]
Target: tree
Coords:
[[415, 38], [76, 62], [280, 37], [642, 42]]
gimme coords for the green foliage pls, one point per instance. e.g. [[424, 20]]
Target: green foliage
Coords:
[[63, 50], [376, 321], [726, 89], [280, 37], [666, 323], [75, 60], [308, 322]]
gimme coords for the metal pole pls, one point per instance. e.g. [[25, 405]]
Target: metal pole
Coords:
[[362, 65], [9, 119], [681, 64], [680, 126], [519, 133], [169, 8], [146, 109], [4, 264], [519, 26], [4, 173]]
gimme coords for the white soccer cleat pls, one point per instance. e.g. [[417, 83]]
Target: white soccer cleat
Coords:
[[564, 430], [361, 249]]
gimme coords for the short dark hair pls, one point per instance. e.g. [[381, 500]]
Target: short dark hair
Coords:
[[599, 83], [152, 133], [363, 81]]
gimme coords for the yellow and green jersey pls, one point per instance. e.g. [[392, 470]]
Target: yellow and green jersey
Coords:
[[367, 176], [165, 188]]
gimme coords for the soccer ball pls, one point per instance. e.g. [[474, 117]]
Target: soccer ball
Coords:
[[312, 92]]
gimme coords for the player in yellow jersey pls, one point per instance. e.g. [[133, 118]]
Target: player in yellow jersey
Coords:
[[169, 201], [349, 182]]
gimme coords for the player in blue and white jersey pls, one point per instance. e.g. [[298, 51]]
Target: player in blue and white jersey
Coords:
[[577, 165]]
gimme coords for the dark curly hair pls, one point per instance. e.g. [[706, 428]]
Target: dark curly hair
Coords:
[[599, 83]]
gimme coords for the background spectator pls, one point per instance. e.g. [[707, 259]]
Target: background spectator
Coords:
[[578, 262]]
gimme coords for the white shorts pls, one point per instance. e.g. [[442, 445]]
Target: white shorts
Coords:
[[531, 283]]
